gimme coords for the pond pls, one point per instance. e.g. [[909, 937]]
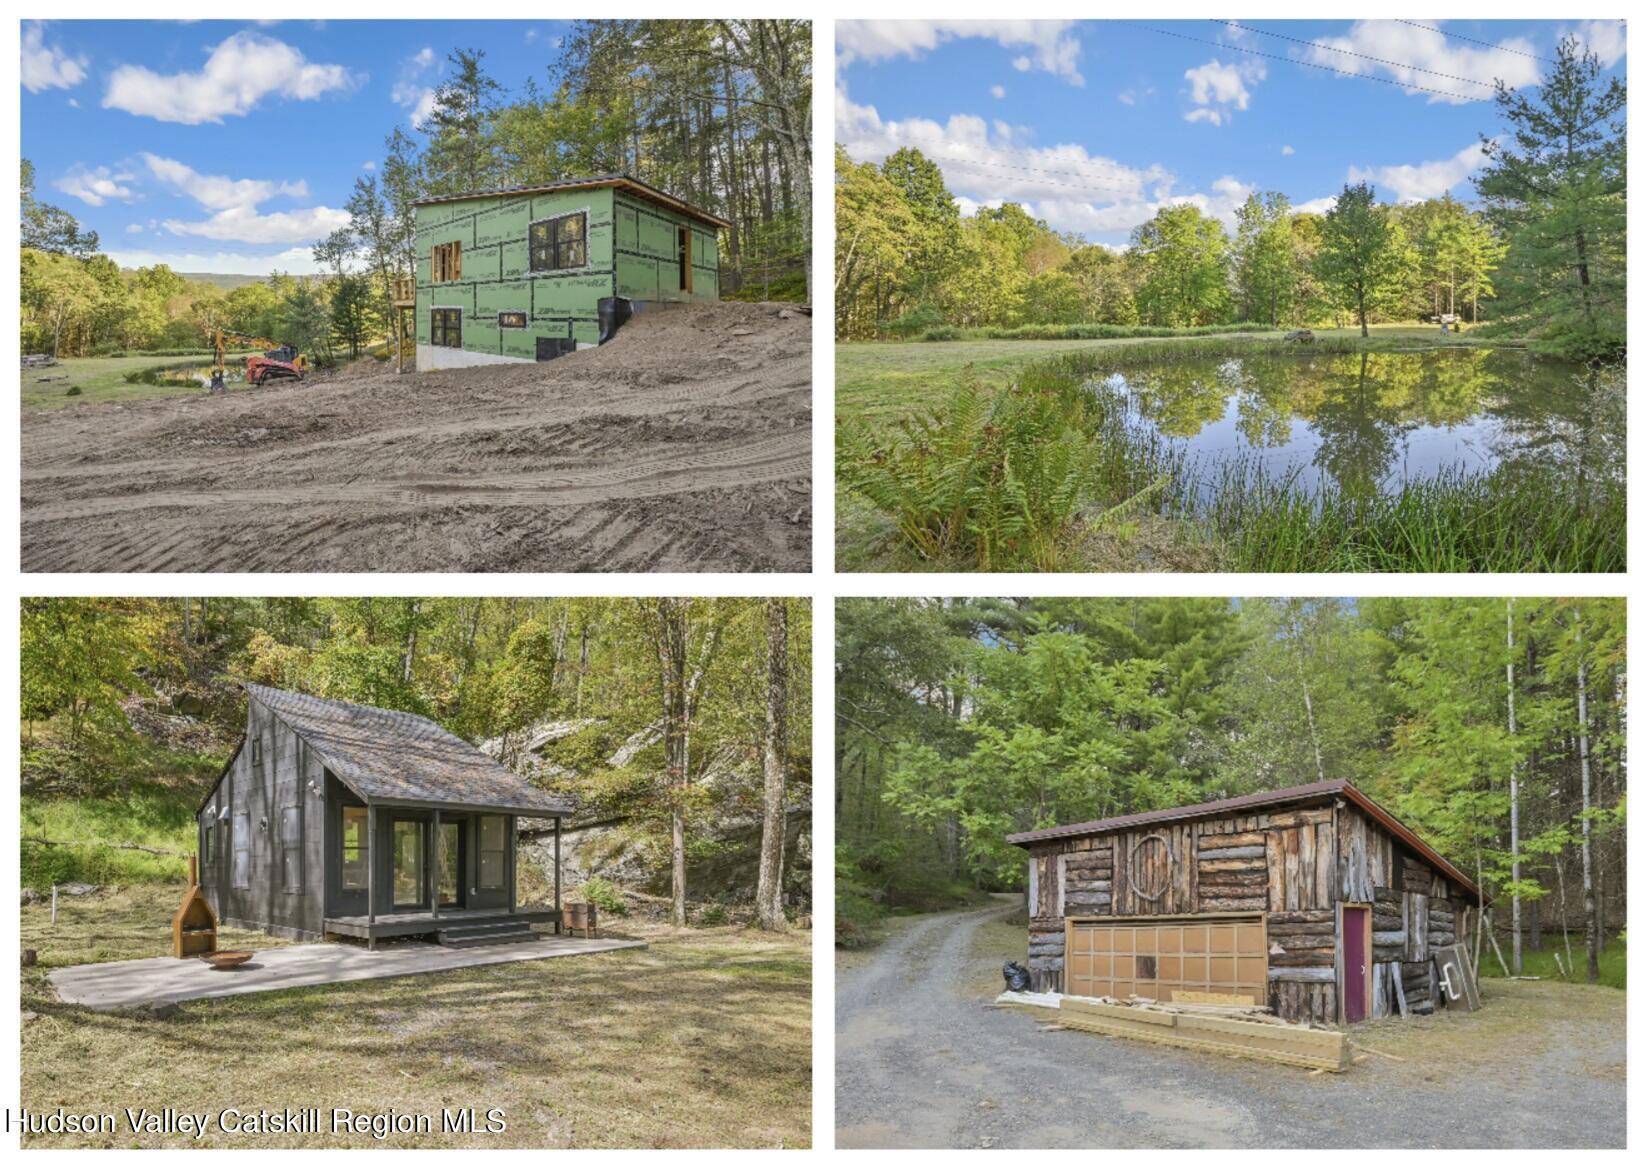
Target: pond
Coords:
[[1373, 422]]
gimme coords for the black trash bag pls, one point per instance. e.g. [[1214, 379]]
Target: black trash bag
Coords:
[[1016, 978]]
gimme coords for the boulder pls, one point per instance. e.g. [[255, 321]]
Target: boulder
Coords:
[[1299, 336]]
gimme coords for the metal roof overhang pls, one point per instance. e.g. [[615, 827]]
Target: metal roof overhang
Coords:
[[621, 182], [1289, 796]]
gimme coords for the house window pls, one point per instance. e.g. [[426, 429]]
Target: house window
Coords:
[[493, 851], [511, 320], [291, 847], [445, 328], [208, 843], [257, 750], [560, 243], [685, 260], [356, 852], [242, 850], [447, 262]]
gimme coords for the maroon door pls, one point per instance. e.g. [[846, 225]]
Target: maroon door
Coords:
[[1355, 971]]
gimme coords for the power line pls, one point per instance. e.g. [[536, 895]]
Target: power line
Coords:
[[1404, 85], [1472, 81], [1475, 41]]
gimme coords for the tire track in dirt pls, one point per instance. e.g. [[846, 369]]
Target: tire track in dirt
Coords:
[[682, 444]]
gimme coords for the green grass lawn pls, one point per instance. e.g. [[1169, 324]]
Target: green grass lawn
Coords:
[[701, 1040], [103, 380]]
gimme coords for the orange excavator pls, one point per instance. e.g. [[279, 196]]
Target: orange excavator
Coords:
[[275, 361]]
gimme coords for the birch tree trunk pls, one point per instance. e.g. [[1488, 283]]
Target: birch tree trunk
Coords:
[[769, 898], [1589, 906], [671, 645], [1512, 788]]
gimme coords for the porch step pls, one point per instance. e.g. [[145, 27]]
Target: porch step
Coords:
[[490, 935]]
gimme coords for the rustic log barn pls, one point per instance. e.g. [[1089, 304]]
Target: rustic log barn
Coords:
[[341, 820], [1313, 900]]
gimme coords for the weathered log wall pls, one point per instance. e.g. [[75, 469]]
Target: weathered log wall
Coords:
[[1294, 865]]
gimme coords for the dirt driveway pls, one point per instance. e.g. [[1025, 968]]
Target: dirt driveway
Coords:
[[922, 1062], [682, 444]]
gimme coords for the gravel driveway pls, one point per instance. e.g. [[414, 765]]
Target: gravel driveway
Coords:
[[923, 1062]]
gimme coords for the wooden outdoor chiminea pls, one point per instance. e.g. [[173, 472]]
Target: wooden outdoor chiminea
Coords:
[[194, 928]]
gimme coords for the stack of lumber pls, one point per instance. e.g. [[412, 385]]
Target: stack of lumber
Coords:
[[1244, 1031]]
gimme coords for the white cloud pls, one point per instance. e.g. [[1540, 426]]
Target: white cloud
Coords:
[[1070, 188], [96, 185], [218, 192], [424, 109], [1287, 149], [1399, 47], [369, 165], [1051, 44], [292, 260], [1412, 182], [1217, 88], [412, 90], [1319, 207], [135, 229], [234, 206], [48, 67], [239, 73], [1605, 39], [997, 91]]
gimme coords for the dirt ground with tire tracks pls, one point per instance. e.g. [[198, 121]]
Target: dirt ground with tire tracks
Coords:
[[924, 1061], [682, 444]]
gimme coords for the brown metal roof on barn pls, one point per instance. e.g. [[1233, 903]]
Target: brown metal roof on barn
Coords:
[[624, 182], [387, 756], [1245, 802]]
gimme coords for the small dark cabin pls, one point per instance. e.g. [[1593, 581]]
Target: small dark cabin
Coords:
[[1314, 901], [337, 819]]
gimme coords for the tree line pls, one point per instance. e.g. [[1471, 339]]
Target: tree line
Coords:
[[709, 698], [1543, 254], [1494, 727], [717, 113]]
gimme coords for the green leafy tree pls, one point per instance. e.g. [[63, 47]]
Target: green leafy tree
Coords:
[[1364, 259], [1185, 268]]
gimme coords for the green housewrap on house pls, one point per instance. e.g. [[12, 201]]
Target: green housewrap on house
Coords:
[[518, 274]]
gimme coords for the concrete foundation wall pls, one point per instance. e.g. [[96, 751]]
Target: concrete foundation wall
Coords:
[[449, 358]]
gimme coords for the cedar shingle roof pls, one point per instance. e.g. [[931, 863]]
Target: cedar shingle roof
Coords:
[[1305, 794], [385, 756]]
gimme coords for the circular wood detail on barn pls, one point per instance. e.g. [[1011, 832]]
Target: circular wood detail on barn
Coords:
[[1149, 871]]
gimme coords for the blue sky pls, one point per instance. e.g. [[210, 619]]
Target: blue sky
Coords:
[[230, 147], [1094, 125]]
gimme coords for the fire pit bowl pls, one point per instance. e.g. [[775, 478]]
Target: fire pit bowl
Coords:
[[226, 958]]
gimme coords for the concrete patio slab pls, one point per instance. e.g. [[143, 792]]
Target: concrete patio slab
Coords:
[[116, 985]]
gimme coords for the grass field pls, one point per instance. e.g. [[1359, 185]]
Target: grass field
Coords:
[[103, 380], [701, 1040]]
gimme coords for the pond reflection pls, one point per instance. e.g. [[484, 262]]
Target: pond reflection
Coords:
[[1372, 422]]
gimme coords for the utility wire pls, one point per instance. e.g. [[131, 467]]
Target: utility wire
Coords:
[[1403, 85], [1475, 41], [1472, 81]]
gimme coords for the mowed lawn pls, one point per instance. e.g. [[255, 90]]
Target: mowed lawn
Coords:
[[701, 1040], [103, 380]]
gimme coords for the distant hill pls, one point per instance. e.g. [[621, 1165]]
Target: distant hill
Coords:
[[224, 280]]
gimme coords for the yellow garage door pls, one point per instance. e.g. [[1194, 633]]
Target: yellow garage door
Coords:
[[1152, 958]]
